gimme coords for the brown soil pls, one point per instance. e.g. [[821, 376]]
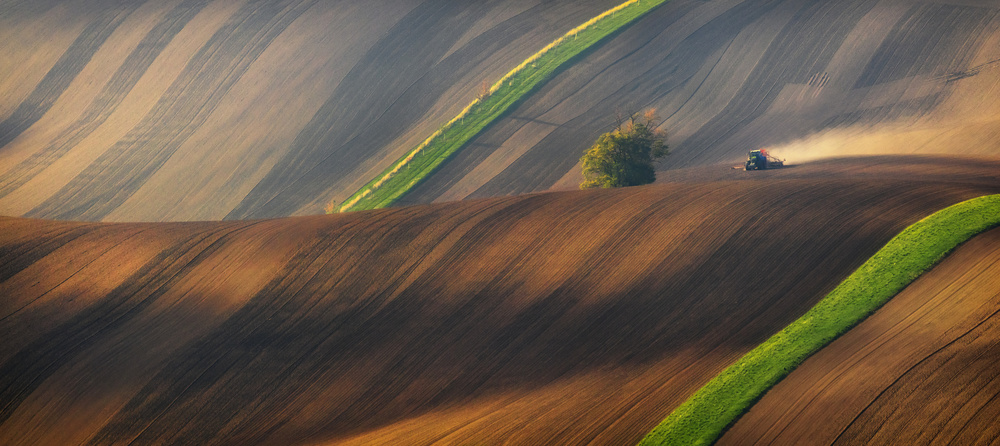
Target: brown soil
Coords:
[[809, 80], [578, 317], [203, 109], [181, 110], [924, 369]]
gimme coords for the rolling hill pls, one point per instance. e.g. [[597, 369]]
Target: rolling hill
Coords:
[[808, 79], [231, 109], [162, 281], [199, 109], [570, 317]]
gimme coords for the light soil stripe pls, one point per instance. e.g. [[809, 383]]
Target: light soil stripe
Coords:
[[124, 168], [113, 93], [62, 73]]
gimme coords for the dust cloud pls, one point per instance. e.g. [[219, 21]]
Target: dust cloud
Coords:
[[969, 139]]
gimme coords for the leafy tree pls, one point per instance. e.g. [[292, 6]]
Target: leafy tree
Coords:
[[625, 155]]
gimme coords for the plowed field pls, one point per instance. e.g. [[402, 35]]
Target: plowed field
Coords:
[[205, 109], [925, 369], [807, 79], [183, 110], [557, 318]]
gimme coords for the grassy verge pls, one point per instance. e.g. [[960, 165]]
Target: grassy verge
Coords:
[[420, 162], [706, 414]]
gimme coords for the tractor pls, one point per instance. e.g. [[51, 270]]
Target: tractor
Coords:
[[760, 159]]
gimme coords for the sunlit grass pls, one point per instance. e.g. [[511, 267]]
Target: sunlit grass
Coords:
[[420, 162], [706, 414]]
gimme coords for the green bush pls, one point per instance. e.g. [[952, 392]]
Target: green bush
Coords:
[[625, 156], [706, 414]]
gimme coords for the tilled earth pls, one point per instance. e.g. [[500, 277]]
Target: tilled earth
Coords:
[[571, 317]]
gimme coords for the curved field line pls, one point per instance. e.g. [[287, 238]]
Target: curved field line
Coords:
[[111, 96], [706, 414], [420, 162], [65, 70], [206, 79]]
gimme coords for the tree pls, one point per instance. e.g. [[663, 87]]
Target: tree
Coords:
[[625, 155]]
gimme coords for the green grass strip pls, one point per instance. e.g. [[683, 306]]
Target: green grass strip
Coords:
[[420, 162], [706, 414]]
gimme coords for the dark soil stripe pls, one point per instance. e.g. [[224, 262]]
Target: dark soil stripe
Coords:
[[63, 72], [108, 99], [373, 106], [184, 107], [269, 329], [15, 257], [27, 369]]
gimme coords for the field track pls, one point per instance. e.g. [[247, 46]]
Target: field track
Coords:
[[181, 110], [556, 318], [923, 370]]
